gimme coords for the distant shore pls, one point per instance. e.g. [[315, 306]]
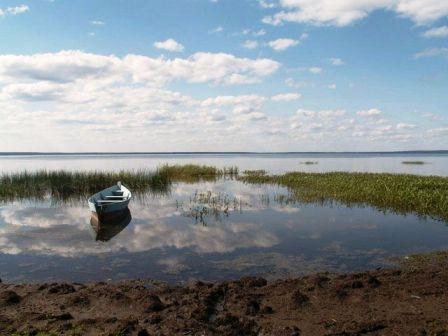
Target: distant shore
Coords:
[[409, 300], [336, 153]]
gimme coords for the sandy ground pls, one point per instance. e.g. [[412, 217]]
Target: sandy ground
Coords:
[[409, 300]]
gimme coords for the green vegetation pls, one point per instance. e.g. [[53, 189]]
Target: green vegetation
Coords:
[[310, 163], [62, 185], [414, 162], [65, 185], [422, 195], [195, 173]]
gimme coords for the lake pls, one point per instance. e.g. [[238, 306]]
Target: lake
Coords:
[[211, 230]]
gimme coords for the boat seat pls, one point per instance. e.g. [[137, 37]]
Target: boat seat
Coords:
[[117, 192], [114, 197], [107, 201]]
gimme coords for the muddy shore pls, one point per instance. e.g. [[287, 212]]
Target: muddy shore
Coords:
[[411, 299]]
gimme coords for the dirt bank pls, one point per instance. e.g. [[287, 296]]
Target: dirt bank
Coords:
[[410, 300]]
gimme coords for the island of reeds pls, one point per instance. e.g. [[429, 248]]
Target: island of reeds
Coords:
[[401, 193], [413, 162]]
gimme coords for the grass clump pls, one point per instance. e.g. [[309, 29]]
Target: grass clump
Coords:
[[309, 162], [401, 193], [194, 173], [414, 162]]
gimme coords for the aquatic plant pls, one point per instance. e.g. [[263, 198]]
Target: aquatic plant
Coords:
[[194, 173], [209, 204], [414, 162], [400, 193], [64, 185], [67, 185], [309, 162]]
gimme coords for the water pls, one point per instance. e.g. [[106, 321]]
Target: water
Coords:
[[211, 230], [436, 163], [244, 230]]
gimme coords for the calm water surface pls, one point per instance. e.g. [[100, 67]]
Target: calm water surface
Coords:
[[244, 230], [210, 230], [436, 164]]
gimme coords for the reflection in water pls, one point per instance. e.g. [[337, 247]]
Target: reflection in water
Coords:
[[107, 228], [250, 230]]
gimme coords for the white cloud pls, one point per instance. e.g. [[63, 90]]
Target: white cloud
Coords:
[[336, 61], [218, 29], [346, 12], [97, 23], [401, 126], [438, 32], [170, 45], [266, 4], [70, 66], [283, 44], [14, 10], [432, 52], [286, 97], [250, 44], [332, 86], [315, 70], [369, 113]]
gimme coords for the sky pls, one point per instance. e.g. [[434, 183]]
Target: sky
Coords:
[[223, 75]]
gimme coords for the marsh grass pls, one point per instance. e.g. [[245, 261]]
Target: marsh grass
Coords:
[[66, 186], [310, 162], [191, 173], [414, 162], [400, 193], [63, 185]]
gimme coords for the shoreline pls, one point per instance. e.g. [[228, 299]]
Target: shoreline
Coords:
[[411, 299]]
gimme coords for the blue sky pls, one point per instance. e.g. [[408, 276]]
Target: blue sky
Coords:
[[226, 75]]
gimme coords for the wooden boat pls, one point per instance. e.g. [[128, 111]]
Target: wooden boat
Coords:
[[110, 200], [108, 227]]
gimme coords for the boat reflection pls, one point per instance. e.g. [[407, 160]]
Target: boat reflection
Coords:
[[108, 227]]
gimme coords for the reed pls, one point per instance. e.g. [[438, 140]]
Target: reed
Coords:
[[194, 173], [65, 185], [414, 162], [400, 193]]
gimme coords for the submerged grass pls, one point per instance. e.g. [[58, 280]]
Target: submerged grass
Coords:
[[400, 193]]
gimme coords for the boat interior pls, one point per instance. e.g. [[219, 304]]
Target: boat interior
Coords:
[[115, 194]]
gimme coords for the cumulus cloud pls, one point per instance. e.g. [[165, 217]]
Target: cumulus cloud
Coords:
[[266, 4], [286, 97], [250, 44], [432, 52], [97, 23], [405, 126], [170, 45], [315, 70], [369, 113], [282, 44], [346, 12], [336, 61], [69, 66], [14, 10], [438, 32]]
